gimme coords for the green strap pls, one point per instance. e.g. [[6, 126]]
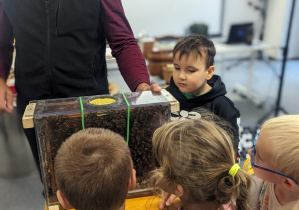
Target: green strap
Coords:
[[82, 113], [128, 119]]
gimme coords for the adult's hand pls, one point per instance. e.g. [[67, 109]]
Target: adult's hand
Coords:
[[6, 97], [166, 200], [144, 86]]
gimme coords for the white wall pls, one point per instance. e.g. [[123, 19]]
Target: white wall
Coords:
[[161, 17], [294, 41], [278, 16]]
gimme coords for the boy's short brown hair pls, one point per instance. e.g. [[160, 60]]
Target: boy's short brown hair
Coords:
[[93, 168], [197, 45]]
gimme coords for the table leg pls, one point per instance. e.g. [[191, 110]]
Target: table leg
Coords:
[[248, 92]]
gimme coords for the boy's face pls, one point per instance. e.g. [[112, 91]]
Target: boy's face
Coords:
[[190, 74], [263, 157]]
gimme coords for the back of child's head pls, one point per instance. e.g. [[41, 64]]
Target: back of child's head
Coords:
[[284, 132], [198, 154], [197, 46], [93, 168], [208, 115]]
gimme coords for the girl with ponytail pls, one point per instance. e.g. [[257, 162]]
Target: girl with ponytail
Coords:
[[197, 163]]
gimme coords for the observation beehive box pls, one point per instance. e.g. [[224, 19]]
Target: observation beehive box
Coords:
[[135, 116]]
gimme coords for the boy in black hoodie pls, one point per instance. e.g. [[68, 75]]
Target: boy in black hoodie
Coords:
[[194, 84]]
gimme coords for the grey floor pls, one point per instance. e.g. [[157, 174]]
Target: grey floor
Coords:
[[20, 186]]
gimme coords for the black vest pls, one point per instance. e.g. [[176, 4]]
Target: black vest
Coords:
[[60, 48]]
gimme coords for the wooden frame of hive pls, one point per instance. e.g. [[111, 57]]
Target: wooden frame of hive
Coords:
[[54, 120]]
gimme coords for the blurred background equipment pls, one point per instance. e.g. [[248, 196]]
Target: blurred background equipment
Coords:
[[278, 106], [240, 33], [199, 29], [161, 54], [167, 72]]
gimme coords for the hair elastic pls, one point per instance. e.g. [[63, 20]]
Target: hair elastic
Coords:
[[234, 169]]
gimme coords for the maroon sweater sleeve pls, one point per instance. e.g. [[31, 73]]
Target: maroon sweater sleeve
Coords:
[[6, 44], [123, 44]]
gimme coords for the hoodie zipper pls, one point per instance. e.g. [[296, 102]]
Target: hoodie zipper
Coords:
[[48, 51], [57, 15]]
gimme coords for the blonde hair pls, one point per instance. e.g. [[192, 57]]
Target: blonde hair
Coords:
[[284, 132], [198, 155], [93, 168]]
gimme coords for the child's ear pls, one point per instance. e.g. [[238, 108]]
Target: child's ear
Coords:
[[179, 191], [289, 184], [132, 183], [210, 72], [63, 201]]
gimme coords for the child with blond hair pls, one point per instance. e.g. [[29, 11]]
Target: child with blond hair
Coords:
[[94, 170], [275, 158], [197, 163]]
